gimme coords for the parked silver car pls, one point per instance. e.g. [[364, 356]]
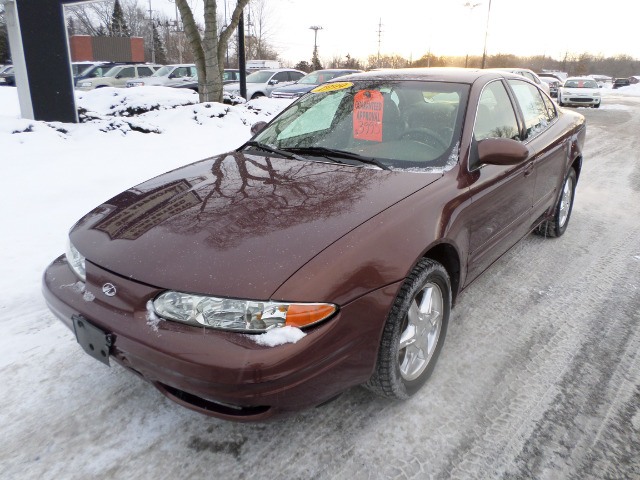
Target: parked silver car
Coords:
[[167, 76], [526, 73], [118, 76], [263, 82]]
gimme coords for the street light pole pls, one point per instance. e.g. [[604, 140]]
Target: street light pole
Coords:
[[486, 33], [471, 7]]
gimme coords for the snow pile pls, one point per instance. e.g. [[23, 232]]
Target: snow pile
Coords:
[[133, 101], [278, 336], [630, 91]]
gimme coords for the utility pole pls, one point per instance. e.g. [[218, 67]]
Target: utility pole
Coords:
[[153, 44], [486, 34], [379, 37], [315, 60]]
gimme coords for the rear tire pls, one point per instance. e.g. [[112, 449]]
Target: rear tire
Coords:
[[414, 333], [557, 225]]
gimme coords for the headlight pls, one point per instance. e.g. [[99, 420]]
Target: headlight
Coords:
[[238, 315], [76, 261], [85, 84]]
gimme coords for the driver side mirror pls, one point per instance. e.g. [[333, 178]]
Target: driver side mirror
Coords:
[[273, 82], [501, 151], [257, 127]]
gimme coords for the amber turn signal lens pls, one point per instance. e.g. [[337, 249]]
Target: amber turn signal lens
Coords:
[[305, 315]]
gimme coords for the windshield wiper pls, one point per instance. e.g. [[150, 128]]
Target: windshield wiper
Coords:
[[333, 152], [270, 149]]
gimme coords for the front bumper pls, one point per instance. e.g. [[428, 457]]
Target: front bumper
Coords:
[[579, 100], [224, 374]]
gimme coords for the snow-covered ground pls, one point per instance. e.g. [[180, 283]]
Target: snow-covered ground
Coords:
[[538, 378]]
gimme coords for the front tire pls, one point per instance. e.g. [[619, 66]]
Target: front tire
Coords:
[[414, 333], [557, 225]]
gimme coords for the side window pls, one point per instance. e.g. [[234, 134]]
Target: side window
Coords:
[[144, 71], [551, 109], [495, 116], [532, 106], [296, 76], [281, 77], [128, 72], [192, 71]]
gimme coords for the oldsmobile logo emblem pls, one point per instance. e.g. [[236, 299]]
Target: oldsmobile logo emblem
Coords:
[[109, 289]]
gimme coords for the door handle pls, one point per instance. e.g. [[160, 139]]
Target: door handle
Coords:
[[528, 170]]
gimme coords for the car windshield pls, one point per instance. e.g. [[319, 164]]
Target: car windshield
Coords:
[[163, 72], [113, 71], [97, 71], [261, 76], [402, 124], [316, 78], [580, 84]]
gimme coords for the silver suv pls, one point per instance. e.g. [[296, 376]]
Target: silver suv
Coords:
[[118, 76], [167, 76]]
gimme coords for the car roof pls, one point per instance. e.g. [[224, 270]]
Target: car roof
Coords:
[[441, 74], [580, 78]]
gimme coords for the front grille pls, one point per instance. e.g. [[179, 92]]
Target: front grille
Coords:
[[581, 99]]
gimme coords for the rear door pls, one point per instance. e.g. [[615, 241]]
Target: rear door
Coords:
[[549, 162]]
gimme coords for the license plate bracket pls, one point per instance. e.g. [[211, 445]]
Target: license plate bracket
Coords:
[[93, 340]]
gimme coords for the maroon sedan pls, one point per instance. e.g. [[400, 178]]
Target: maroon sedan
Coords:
[[328, 250]]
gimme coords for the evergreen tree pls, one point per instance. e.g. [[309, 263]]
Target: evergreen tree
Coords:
[[4, 45], [118, 27], [71, 28], [158, 45], [315, 61]]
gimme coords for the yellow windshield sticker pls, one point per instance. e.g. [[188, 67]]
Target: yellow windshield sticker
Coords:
[[332, 86]]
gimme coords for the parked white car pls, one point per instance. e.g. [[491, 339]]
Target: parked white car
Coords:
[[529, 74], [118, 76], [579, 91], [263, 82], [167, 76]]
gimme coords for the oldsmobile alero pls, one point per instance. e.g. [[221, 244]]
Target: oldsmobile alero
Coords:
[[328, 250]]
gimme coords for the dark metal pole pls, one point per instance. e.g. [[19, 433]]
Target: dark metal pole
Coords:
[[242, 64]]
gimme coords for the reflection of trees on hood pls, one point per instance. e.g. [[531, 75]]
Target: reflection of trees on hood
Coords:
[[249, 197]]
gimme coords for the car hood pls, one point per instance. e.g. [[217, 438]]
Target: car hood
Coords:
[[235, 225], [295, 88], [580, 91]]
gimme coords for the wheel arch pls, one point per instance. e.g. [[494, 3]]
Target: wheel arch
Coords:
[[577, 166], [447, 255]]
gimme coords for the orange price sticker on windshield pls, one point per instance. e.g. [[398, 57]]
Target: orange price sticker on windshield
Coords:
[[368, 108]]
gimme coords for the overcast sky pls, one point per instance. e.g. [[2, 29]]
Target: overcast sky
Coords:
[[412, 28]]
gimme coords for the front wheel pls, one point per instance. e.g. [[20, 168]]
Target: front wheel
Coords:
[[557, 225], [414, 333]]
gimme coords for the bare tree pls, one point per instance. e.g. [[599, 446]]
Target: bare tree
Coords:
[[209, 49]]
